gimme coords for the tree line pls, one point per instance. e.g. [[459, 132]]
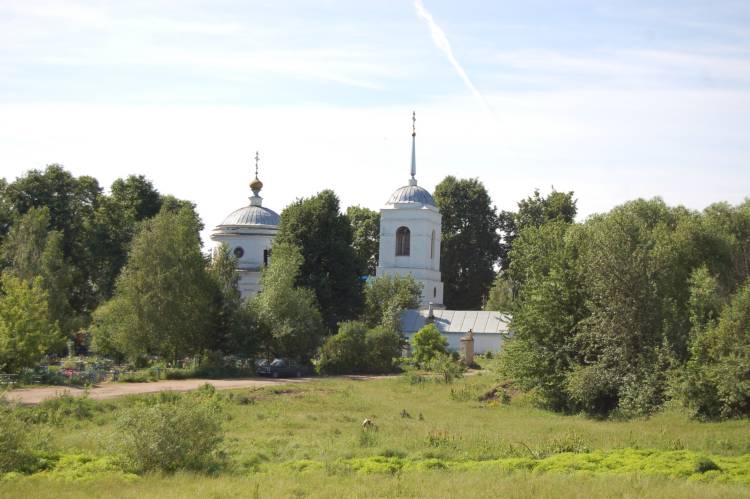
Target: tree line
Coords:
[[619, 313], [631, 308], [128, 268]]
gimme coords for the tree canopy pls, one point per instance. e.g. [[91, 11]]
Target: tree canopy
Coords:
[[26, 333], [33, 251], [162, 303], [287, 312], [93, 229], [470, 245], [534, 211], [387, 296], [365, 237], [607, 309], [329, 266]]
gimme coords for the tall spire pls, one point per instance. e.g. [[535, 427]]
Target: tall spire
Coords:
[[256, 185], [413, 180]]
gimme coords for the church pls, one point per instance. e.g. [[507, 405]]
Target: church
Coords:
[[410, 235]]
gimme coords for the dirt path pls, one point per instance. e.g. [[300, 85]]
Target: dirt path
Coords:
[[111, 390]]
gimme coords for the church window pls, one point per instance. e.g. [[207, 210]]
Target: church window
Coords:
[[266, 257], [432, 246], [434, 292], [239, 252], [402, 241]]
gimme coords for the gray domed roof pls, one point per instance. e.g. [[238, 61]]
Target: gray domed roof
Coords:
[[411, 194], [252, 215]]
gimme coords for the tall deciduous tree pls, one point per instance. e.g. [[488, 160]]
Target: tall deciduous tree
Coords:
[[605, 308], [116, 220], [329, 264], [470, 241], [71, 203], [387, 296], [365, 237], [288, 312], [7, 211], [534, 211], [26, 333], [545, 314], [32, 251], [718, 376], [236, 328], [163, 302]]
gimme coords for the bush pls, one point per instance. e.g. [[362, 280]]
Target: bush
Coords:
[[356, 350], [447, 367], [140, 376], [383, 348], [55, 411], [593, 390], [346, 351], [716, 379], [182, 433], [15, 451], [427, 343]]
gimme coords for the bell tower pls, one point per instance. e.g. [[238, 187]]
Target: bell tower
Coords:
[[410, 225]]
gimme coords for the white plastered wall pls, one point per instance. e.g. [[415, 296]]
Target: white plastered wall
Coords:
[[423, 262], [253, 241]]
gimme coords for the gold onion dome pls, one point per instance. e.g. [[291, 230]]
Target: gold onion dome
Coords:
[[256, 184]]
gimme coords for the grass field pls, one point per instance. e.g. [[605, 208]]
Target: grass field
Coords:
[[432, 440]]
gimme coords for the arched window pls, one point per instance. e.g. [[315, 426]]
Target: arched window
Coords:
[[432, 246], [402, 241]]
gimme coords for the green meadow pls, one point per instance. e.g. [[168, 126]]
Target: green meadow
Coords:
[[430, 440]]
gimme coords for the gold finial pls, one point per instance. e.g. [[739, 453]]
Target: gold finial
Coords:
[[413, 123]]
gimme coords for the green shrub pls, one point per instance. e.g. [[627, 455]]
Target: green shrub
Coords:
[[367, 438], [593, 390], [447, 367], [356, 350], [716, 380], [59, 409], [383, 348], [15, 451], [180, 373], [346, 351], [183, 433], [141, 376], [413, 376], [427, 343], [704, 464]]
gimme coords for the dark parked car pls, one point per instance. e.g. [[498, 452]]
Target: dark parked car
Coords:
[[279, 368]]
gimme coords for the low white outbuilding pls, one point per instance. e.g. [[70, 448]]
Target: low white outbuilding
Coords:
[[489, 329]]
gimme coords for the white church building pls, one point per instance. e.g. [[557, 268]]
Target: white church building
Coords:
[[410, 235], [249, 233]]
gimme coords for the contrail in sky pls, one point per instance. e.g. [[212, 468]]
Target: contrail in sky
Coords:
[[441, 41]]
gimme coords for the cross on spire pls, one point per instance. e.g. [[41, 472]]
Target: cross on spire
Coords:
[[413, 180], [257, 158]]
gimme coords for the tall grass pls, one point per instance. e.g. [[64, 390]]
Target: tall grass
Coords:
[[307, 440]]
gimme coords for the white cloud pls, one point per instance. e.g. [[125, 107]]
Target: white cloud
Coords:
[[442, 43]]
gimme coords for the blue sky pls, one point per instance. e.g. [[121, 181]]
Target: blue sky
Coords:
[[613, 100]]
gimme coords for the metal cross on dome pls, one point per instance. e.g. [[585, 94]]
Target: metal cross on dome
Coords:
[[257, 158], [413, 122]]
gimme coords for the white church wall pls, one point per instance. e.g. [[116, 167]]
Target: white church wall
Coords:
[[423, 261], [253, 243]]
